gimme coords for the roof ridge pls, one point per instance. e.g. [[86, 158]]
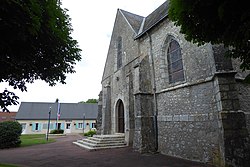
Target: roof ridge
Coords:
[[130, 12]]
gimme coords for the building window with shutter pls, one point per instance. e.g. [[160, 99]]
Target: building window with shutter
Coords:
[[175, 64], [37, 126], [119, 52], [80, 125]]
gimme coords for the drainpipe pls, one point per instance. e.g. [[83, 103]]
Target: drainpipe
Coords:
[[154, 92]]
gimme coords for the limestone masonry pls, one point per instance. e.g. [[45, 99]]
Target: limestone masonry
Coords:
[[169, 95]]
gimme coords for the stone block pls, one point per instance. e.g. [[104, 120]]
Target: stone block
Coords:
[[227, 105], [169, 118], [224, 88], [183, 117], [233, 121], [176, 118], [191, 118]]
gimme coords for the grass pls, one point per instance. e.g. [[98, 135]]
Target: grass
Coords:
[[6, 165], [34, 139]]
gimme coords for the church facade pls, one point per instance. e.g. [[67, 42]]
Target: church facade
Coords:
[[171, 96]]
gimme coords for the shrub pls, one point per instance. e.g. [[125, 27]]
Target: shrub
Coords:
[[90, 133], [57, 131], [10, 132]]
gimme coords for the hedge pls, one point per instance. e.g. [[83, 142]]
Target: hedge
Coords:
[[57, 131], [90, 133], [10, 132]]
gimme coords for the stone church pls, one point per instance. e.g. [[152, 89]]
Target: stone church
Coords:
[[171, 96]]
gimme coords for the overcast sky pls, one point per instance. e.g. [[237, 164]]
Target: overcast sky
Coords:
[[92, 22]]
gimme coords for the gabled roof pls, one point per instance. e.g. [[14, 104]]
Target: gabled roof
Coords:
[[134, 20], [154, 18], [68, 111], [140, 24]]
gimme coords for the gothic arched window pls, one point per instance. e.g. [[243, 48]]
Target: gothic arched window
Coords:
[[175, 65], [119, 52]]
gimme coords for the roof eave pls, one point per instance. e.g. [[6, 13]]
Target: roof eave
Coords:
[[142, 33]]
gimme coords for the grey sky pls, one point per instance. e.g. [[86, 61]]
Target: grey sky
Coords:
[[92, 22]]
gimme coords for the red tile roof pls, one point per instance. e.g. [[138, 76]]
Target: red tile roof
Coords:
[[7, 116]]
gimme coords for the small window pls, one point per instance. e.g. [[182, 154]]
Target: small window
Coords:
[[23, 126], [58, 125], [119, 52], [93, 125], [80, 125], [175, 65], [36, 126]]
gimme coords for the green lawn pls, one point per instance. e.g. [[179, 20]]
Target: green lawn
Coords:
[[34, 139]]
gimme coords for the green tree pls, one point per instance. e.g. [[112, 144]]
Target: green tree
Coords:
[[35, 43], [224, 21], [90, 101]]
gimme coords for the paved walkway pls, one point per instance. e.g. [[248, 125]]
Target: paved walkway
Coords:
[[64, 153]]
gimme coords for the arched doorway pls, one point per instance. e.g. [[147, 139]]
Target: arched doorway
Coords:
[[120, 110]]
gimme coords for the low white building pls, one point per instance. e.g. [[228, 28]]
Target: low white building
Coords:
[[74, 117]]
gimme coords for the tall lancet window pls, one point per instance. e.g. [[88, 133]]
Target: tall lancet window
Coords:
[[175, 65], [119, 52]]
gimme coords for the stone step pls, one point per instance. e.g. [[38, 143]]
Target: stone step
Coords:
[[102, 142], [95, 141], [106, 139], [97, 148], [116, 136]]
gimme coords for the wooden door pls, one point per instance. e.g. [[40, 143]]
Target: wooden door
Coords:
[[120, 117]]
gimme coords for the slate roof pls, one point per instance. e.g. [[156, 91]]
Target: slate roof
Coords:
[[134, 20], [155, 17], [69, 111], [143, 24]]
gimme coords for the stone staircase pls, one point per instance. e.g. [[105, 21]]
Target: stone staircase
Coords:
[[98, 142]]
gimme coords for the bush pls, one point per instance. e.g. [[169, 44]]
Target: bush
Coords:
[[10, 132], [90, 133], [57, 131]]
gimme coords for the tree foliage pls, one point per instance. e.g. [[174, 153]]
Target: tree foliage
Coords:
[[224, 21], [10, 132], [35, 43], [90, 101]]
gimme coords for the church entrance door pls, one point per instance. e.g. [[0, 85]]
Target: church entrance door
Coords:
[[120, 117]]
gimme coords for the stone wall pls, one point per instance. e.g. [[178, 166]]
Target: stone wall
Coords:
[[244, 98], [99, 115], [187, 123], [235, 133], [236, 139], [193, 115], [121, 80]]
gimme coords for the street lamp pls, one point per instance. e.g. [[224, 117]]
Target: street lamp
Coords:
[[47, 135], [83, 122]]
